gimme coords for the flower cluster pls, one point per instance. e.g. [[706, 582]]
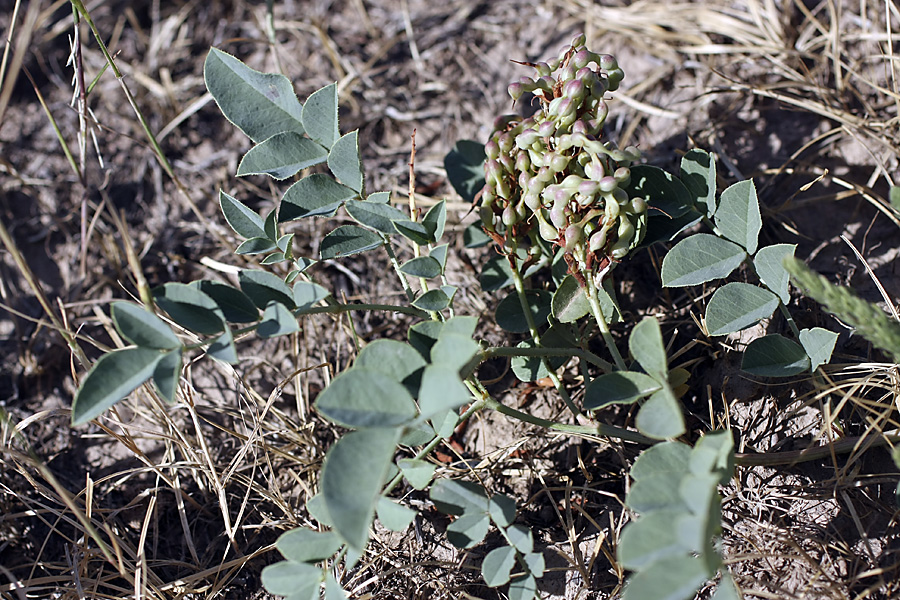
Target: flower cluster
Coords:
[[551, 175]]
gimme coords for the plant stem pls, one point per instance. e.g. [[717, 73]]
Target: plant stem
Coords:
[[597, 312], [410, 294], [789, 319], [532, 329], [844, 446]]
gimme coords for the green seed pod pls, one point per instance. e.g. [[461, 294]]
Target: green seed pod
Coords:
[[553, 64], [544, 174], [503, 121], [597, 240], [515, 90], [632, 153], [547, 129], [607, 62], [523, 163], [623, 244], [493, 171], [612, 208], [487, 218], [623, 176], [579, 40], [574, 90], [492, 150], [525, 139], [558, 162], [506, 161], [608, 184], [637, 206], [547, 231], [581, 58], [621, 197], [558, 216], [522, 211], [509, 216], [523, 178], [506, 142], [503, 189], [572, 236], [543, 69], [571, 183], [532, 200], [545, 84]]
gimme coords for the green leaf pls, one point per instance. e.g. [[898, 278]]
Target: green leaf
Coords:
[[714, 453], [276, 321], [320, 115], [458, 497], [282, 156], [774, 356], [570, 301], [646, 345], [672, 578], [736, 306], [894, 197], [423, 335], [454, 350], [308, 294], [661, 228], [726, 589], [432, 300], [769, 265], [497, 565], [343, 160], [256, 245], [314, 196], [737, 216], [660, 417], [142, 328], [465, 168], [244, 221], [444, 424], [422, 266], [417, 433], [364, 397], [379, 197], [333, 589], [297, 581], [394, 516], [700, 258], [495, 274], [417, 472], [664, 193], [352, 477], [818, 344], [401, 362], [502, 509], [523, 587], [190, 307], [166, 374], [468, 530], [435, 220], [414, 231], [347, 240], [305, 545], [667, 458], [316, 508], [234, 304], [222, 348], [112, 378], [698, 173], [619, 387], [263, 287], [441, 390], [474, 236], [521, 538], [260, 104], [510, 316], [531, 368], [649, 538], [270, 225], [535, 563], [380, 217], [439, 253]]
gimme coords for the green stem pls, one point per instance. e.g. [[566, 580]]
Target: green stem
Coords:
[[516, 351], [410, 294], [789, 319], [597, 312], [793, 457], [532, 329]]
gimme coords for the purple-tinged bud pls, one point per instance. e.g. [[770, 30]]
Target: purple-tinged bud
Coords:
[[532, 200], [581, 58], [572, 236], [547, 231], [585, 75], [608, 184], [503, 190], [523, 163], [558, 162], [638, 206], [543, 69], [545, 84], [523, 178], [623, 175], [558, 216], [620, 196], [525, 139], [601, 111], [487, 217], [567, 74], [594, 170], [589, 187], [579, 126], [492, 170], [492, 150], [521, 211], [509, 216], [544, 174], [507, 163], [632, 152], [574, 89], [553, 63], [594, 126], [597, 240], [561, 196], [571, 183], [515, 90], [579, 40], [488, 196], [608, 62], [505, 141], [546, 129]]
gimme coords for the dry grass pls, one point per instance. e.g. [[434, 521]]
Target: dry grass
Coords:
[[185, 502]]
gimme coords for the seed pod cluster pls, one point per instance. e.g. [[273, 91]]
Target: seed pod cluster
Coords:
[[552, 176]]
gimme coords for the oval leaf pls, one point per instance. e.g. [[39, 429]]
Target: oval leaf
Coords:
[[737, 216], [363, 397], [665, 194], [377, 216], [432, 300], [465, 168], [458, 497], [320, 115], [671, 578], [394, 516], [738, 305], [298, 580], [497, 565], [260, 104], [649, 538], [417, 472], [234, 304], [401, 362], [314, 196], [620, 387], [700, 258], [282, 156], [347, 240], [422, 266], [354, 472], [818, 344], [142, 328], [468, 530], [245, 222], [306, 545], [112, 378], [510, 316], [277, 320], [166, 374], [570, 301], [190, 307], [769, 265], [343, 160], [698, 173], [441, 390], [774, 356], [660, 417], [647, 348], [307, 294], [263, 287]]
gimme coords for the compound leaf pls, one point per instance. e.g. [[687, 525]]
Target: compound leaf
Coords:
[[222, 348], [619, 387], [660, 417], [190, 307], [394, 516], [282, 156], [234, 304], [432, 300], [738, 217], [457, 497], [510, 316], [263, 287], [347, 240], [114, 376], [401, 362], [818, 344], [774, 356], [664, 193], [671, 578], [422, 266], [736, 305], [142, 328], [307, 294], [305, 545], [417, 472], [570, 301], [314, 196], [497, 565], [700, 258], [166, 374], [260, 104], [698, 173], [244, 221], [354, 472], [441, 390], [523, 587], [770, 268], [378, 216], [502, 509], [468, 530], [435, 220], [649, 538], [647, 348]]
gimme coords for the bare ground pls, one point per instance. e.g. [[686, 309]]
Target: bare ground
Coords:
[[800, 96]]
